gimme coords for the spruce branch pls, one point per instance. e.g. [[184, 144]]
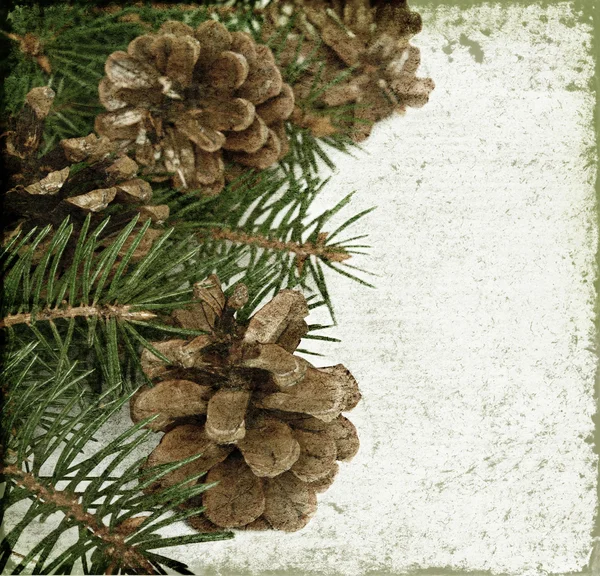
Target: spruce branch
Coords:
[[116, 547], [107, 311], [301, 250], [117, 522], [30, 45], [88, 299], [264, 222]]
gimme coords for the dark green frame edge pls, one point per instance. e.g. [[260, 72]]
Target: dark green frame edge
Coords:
[[586, 11]]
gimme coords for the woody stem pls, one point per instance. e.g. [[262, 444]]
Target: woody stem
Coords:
[[117, 548], [302, 250], [121, 311]]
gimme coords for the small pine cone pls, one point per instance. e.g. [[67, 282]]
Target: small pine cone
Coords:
[[269, 425], [186, 101], [369, 36], [81, 176], [25, 139], [107, 178]]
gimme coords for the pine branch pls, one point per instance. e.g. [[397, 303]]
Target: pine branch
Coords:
[[30, 46], [94, 308], [263, 223], [104, 312], [93, 297], [83, 305], [116, 520], [116, 547], [302, 250]]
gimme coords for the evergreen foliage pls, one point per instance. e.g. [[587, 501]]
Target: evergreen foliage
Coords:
[[77, 309], [75, 64], [97, 497], [264, 223]]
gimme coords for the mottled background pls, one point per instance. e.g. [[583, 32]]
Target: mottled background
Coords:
[[475, 352]]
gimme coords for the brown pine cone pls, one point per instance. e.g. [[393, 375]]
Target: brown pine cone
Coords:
[[267, 423], [76, 191], [187, 100], [370, 36], [81, 176]]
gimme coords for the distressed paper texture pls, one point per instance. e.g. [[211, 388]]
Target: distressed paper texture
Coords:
[[473, 352]]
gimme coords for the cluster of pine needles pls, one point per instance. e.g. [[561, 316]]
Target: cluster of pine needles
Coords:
[[76, 313]]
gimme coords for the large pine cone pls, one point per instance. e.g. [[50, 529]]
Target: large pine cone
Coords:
[[186, 100], [370, 36], [268, 423]]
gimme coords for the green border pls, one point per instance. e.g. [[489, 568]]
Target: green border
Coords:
[[586, 9]]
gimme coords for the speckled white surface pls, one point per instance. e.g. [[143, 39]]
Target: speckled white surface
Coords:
[[472, 351]]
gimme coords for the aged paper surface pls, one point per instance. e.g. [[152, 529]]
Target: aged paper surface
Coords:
[[475, 353]]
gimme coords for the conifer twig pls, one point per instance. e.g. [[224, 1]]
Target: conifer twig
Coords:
[[117, 547], [107, 311], [18, 554], [302, 250]]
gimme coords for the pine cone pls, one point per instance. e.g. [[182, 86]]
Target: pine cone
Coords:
[[187, 100], [372, 37], [83, 175], [267, 423]]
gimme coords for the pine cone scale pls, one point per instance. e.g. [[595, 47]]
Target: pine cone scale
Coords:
[[180, 443], [205, 138], [94, 201], [251, 140], [214, 39], [228, 72], [178, 398], [319, 394], [270, 448], [225, 416], [234, 115], [317, 456], [238, 498], [264, 157], [289, 502], [125, 71]]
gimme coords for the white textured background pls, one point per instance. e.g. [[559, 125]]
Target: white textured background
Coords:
[[472, 353]]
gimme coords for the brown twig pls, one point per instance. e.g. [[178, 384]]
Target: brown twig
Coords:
[[122, 311], [302, 250], [17, 554], [117, 548]]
